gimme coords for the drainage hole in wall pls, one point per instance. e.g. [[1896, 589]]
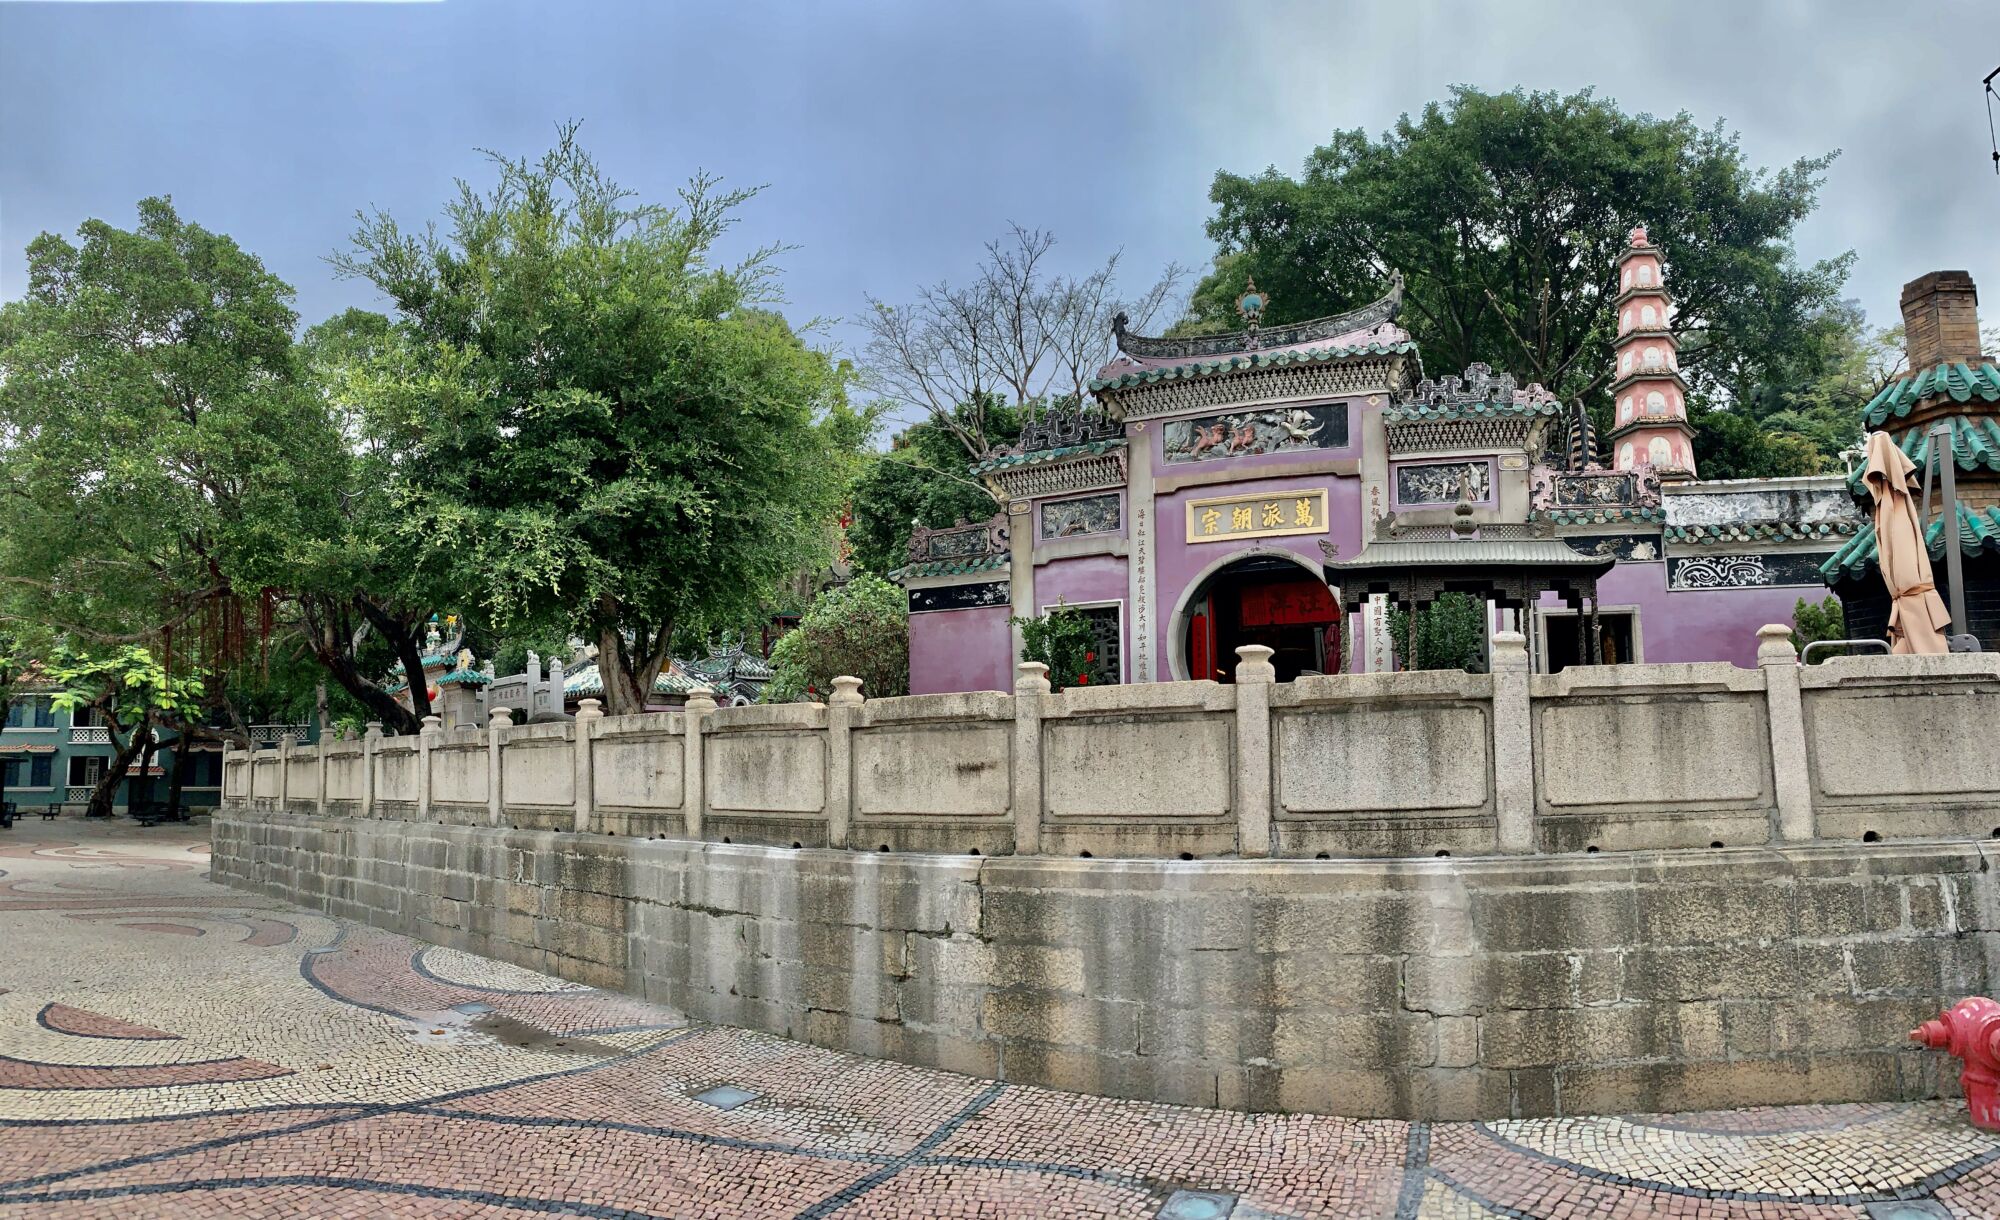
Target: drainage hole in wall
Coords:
[[1871, 837], [1441, 852], [1319, 855], [883, 847], [1717, 843], [1084, 854], [1591, 850], [1187, 855], [796, 843], [1996, 832], [973, 852], [725, 838]]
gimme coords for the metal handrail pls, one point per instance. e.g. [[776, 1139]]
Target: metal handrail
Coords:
[[1805, 654]]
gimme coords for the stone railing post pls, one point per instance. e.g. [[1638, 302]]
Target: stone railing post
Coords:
[[588, 713], [496, 719], [840, 713], [319, 770], [426, 739], [284, 773], [1785, 709], [1513, 744], [369, 740], [694, 791], [1254, 676], [1031, 688]]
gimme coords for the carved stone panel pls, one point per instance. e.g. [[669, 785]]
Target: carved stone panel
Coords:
[[1087, 515], [1246, 433], [1743, 571], [1441, 482]]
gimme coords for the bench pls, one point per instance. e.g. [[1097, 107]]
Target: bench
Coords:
[[51, 812]]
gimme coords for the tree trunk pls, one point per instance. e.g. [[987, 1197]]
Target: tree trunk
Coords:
[[403, 635], [102, 796], [622, 694], [331, 651], [181, 757]]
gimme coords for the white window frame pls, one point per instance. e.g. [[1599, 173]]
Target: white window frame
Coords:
[[1544, 613]]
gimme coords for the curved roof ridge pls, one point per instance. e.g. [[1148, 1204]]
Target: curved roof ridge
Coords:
[[1366, 317]]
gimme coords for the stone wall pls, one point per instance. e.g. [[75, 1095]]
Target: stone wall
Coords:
[[1436, 988], [1606, 758]]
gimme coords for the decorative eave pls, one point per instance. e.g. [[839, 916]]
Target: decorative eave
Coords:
[[1375, 313], [1245, 362], [1434, 436], [950, 567], [1958, 381], [1648, 334], [1642, 290], [1678, 423], [1098, 466], [1631, 252], [1978, 530], [1298, 381], [1737, 532], [1599, 516], [1661, 373], [465, 677]]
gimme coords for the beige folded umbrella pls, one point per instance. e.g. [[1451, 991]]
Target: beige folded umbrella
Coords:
[[1917, 618]]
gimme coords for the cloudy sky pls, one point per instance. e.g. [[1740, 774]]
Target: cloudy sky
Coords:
[[897, 136]]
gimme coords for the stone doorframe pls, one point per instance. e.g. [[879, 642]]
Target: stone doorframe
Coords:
[[1177, 624]]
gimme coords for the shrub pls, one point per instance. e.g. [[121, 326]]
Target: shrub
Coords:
[[1061, 640], [1822, 621], [1451, 634], [860, 628]]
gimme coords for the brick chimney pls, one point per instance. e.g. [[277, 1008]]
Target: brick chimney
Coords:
[[1941, 319]]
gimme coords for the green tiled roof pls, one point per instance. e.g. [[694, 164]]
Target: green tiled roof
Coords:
[[1035, 457], [1599, 516], [952, 567], [1246, 362], [435, 658], [1415, 412], [1978, 529], [1958, 381], [1975, 445], [587, 681], [464, 677], [1761, 531]]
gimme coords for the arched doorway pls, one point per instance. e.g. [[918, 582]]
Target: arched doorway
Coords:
[[1271, 600]]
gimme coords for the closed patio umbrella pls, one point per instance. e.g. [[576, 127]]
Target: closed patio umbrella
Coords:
[[1917, 617]]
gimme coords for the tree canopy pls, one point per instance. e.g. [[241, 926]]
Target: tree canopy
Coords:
[[597, 424], [1505, 211]]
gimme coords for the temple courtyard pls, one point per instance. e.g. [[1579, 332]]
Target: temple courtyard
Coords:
[[172, 1048]]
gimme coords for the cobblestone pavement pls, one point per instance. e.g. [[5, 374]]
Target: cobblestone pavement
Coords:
[[171, 1048]]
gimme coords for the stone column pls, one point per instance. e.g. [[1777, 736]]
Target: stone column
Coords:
[[284, 744], [588, 713], [841, 708], [1513, 744], [369, 740], [1254, 676], [1031, 688], [694, 791], [426, 739], [319, 758], [496, 719], [1785, 708]]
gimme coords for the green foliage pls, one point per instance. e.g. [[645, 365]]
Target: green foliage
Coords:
[[1061, 639], [860, 629], [128, 682], [1451, 634], [1505, 211], [922, 480], [596, 425], [1730, 445], [1825, 620]]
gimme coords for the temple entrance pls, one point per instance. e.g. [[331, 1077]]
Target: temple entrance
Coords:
[[1262, 600], [1566, 637]]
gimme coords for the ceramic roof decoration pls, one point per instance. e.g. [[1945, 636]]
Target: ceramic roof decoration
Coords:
[[1763, 531], [1005, 461], [1978, 530], [1385, 340], [1480, 393], [1975, 446], [952, 567], [465, 677], [586, 682], [1599, 516], [1958, 381]]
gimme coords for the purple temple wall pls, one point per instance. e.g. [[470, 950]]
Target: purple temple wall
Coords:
[[960, 650], [1697, 624], [1087, 580], [1181, 562]]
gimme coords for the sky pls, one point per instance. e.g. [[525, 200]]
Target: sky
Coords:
[[894, 138]]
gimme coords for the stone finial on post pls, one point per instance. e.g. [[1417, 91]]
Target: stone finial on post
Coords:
[[702, 699], [1254, 676], [497, 718], [1513, 744], [1031, 687], [588, 713], [1785, 712], [846, 691]]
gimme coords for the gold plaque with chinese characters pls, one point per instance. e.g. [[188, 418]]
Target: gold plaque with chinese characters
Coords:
[[1266, 516]]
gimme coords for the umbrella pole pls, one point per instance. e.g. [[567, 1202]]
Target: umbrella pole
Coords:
[[1960, 638]]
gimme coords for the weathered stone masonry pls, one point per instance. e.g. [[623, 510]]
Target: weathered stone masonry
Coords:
[[1655, 974]]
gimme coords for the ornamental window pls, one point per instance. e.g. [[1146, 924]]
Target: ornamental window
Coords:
[[1625, 365], [1652, 357], [1645, 274], [1649, 317], [1656, 403], [1660, 452]]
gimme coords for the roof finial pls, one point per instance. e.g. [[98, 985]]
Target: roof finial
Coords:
[[1251, 307], [1638, 235]]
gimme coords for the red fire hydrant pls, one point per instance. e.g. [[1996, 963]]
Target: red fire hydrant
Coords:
[[1971, 1031]]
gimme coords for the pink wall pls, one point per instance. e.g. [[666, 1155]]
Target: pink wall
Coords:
[[1697, 624], [959, 650], [1088, 578], [1179, 561]]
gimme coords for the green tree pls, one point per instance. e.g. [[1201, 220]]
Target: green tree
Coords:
[[1730, 445], [1061, 639], [132, 692], [156, 437], [921, 480], [596, 425], [860, 629], [1505, 211], [1451, 634], [1822, 620]]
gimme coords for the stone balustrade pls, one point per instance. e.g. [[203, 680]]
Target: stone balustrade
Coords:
[[1368, 765]]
